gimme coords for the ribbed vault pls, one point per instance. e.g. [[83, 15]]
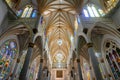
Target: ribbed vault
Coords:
[[59, 17]]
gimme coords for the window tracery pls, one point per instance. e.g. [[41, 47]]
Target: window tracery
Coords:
[[8, 53], [27, 12], [112, 51], [90, 10]]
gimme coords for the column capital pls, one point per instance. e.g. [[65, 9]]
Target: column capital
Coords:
[[102, 60], [78, 60], [41, 60], [35, 30], [73, 68], [90, 67], [31, 45], [109, 75], [89, 45], [18, 60]]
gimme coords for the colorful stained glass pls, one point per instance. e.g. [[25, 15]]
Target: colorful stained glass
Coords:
[[8, 51], [92, 11], [32, 74], [34, 14], [85, 13], [28, 12], [112, 58], [19, 13]]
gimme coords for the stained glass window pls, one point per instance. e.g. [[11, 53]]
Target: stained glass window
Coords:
[[113, 57], [95, 11], [19, 13], [90, 10], [101, 12], [34, 14], [27, 11], [85, 13], [8, 52], [32, 70]]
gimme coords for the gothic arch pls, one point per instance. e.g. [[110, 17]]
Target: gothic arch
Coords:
[[103, 28], [38, 48], [34, 68], [81, 47], [96, 33], [16, 30], [9, 52], [110, 47], [19, 30]]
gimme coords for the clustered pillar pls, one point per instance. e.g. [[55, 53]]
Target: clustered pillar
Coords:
[[94, 61], [79, 69], [23, 74], [40, 70], [15, 69]]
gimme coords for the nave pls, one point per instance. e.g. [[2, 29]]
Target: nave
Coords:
[[59, 40]]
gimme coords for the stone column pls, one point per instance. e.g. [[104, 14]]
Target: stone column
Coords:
[[91, 74], [48, 75], [15, 69], [23, 74], [46, 72], [79, 69], [102, 64], [40, 70], [94, 61], [73, 73]]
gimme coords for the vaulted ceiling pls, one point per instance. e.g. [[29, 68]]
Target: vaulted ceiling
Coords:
[[59, 17]]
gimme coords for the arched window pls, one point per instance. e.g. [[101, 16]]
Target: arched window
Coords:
[[28, 12], [91, 10], [34, 14], [112, 51], [32, 71], [34, 68], [8, 53], [19, 13], [85, 13]]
